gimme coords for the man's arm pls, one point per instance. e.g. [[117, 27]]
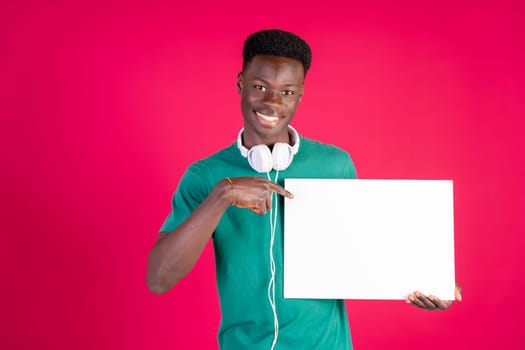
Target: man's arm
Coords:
[[174, 254]]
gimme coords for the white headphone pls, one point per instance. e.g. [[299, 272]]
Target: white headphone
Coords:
[[263, 160]]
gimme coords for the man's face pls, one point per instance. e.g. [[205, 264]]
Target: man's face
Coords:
[[271, 88]]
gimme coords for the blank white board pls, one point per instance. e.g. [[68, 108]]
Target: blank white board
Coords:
[[368, 239]]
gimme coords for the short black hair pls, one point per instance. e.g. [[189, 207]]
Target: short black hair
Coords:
[[276, 42]]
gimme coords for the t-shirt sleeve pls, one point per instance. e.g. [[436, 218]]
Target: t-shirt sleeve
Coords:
[[190, 193], [350, 170]]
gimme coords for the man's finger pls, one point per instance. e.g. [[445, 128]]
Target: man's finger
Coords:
[[425, 301], [416, 302], [458, 293], [269, 201], [440, 304], [280, 190]]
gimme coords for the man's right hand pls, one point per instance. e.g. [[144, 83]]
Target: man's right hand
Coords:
[[254, 193]]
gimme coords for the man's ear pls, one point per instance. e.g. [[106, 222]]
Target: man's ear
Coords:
[[240, 82]]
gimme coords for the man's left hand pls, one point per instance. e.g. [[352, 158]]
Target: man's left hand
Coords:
[[430, 302]]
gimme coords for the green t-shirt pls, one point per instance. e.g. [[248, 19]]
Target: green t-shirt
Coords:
[[242, 242]]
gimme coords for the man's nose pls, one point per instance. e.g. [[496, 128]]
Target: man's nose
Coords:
[[272, 98]]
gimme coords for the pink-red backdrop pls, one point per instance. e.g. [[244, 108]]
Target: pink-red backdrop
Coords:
[[105, 103]]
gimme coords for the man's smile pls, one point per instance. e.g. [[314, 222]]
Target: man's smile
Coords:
[[269, 120]]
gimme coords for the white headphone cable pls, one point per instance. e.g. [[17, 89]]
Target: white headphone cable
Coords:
[[271, 283]]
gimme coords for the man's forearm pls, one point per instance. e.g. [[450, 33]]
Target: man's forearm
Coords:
[[174, 254]]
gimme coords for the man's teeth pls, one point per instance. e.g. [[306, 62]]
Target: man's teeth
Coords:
[[268, 117]]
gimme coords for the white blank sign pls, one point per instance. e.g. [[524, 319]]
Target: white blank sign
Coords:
[[368, 239]]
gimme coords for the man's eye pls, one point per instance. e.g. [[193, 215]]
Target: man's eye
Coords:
[[259, 87], [287, 93]]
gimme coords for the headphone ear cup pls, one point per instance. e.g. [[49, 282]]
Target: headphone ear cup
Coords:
[[260, 158], [282, 155]]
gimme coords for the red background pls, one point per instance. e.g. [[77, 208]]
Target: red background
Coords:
[[104, 104]]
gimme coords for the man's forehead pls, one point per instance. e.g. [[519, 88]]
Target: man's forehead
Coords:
[[266, 64]]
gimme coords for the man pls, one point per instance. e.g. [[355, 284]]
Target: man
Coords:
[[227, 197]]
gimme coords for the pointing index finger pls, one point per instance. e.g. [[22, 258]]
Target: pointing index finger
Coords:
[[280, 190]]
